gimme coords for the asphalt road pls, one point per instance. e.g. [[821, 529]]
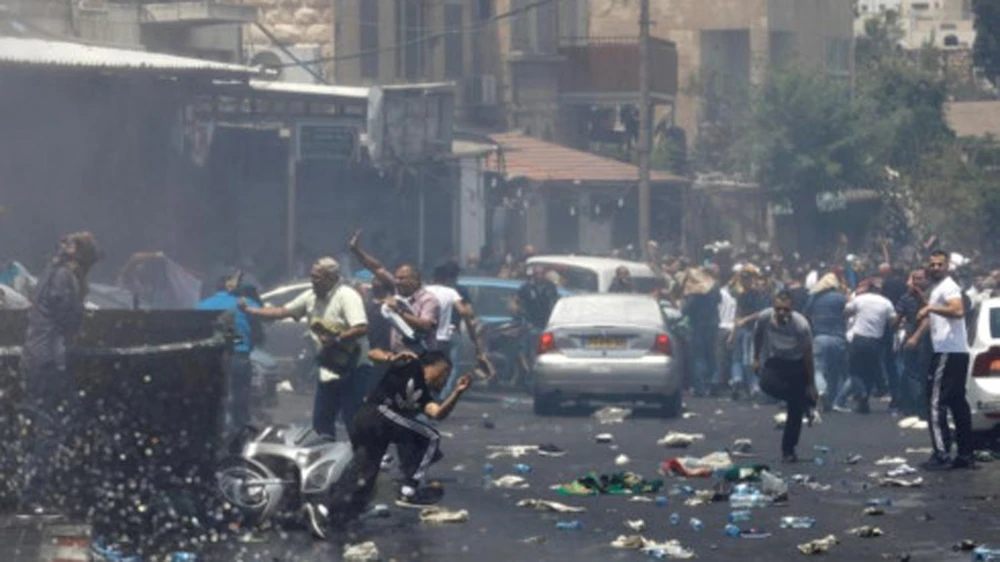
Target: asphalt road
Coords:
[[961, 505]]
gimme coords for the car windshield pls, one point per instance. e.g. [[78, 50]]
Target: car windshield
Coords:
[[491, 301], [573, 278], [605, 311], [995, 323]]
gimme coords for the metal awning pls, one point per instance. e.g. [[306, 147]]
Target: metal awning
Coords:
[[34, 52]]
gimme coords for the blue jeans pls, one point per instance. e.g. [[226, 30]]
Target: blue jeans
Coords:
[[830, 360], [238, 393], [339, 398], [451, 348], [742, 365]]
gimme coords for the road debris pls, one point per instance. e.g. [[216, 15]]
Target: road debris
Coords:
[[679, 440], [622, 460], [742, 446], [901, 470], [818, 546], [515, 451], [853, 459], [611, 414], [700, 467], [604, 438], [901, 482], [546, 505], [874, 511], [668, 549], [620, 483], [689, 415], [534, 540], [438, 515], [363, 552], [866, 532], [511, 482], [912, 422], [637, 525], [890, 460], [919, 451]]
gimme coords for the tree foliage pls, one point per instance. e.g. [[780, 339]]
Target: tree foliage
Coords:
[[986, 49]]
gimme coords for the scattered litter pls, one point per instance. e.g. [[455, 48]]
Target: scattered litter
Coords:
[[363, 552], [912, 422], [817, 487], [604, 438], [691, 466], [901, 482], [703, 497], [879, 502], [802, 478], [550, 450], [511, 482], [964, 546], [797, 522], [919, 451], [986, 554], [745, 496], [446, 434], [515, 451], [890, 460], [522, 468], [901, 470], [534, 540], [637, 525], [742, 473], [284, 386], [669, 549], [679, 440], [773, 486], [718, 412], [866, 532], [622, 460], [853, 459], [985, 456], [545, 505], [641, 499], [458, 468], [742, 446], [874, 511], [818, 546], [443, 515], [620, 483], [611, 414], [689, 415], [575, 525]]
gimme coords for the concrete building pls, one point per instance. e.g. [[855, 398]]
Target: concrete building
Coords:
[[726, 45], [944, 24]]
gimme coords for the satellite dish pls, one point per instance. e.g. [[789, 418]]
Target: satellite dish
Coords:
[[269, 60]]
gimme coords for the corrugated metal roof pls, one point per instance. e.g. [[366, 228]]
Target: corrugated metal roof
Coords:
[[23, 51], [542, 161]]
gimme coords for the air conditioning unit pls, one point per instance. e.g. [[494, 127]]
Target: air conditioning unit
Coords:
[[482, 90], [288, 68]]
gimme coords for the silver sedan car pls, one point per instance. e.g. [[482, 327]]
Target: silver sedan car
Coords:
[[608, 348]]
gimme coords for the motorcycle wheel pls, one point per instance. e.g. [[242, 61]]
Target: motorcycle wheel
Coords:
[[250, 487]]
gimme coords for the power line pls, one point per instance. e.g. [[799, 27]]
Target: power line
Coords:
[[469, 28]]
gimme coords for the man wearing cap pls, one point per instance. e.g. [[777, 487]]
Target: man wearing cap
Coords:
[[240, 377], [339, 327]]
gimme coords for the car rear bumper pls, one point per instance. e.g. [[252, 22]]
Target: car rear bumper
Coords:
[[652, 377], [984, 399]]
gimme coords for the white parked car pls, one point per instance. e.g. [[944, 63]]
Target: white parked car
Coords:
[[608, 348], [983, 388]]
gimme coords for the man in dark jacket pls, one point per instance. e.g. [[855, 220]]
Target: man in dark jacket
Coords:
[[53, 322]]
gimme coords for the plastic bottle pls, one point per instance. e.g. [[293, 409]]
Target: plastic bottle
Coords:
[[675, 519], [659, 554], [183, 557], [821, 448], [575, 525], [732, 531], [792, 522], [487, 476], [661, 501], [819, 461], [984, 553], [879, 502], [696, 524], [522, 468], [739, 515]]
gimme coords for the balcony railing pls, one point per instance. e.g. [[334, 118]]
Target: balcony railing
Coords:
[[610, 66]]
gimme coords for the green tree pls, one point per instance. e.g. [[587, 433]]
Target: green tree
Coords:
[[954, 196], [986, 49], [804, 137]]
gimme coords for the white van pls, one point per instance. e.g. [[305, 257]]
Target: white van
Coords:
[[587, 274]]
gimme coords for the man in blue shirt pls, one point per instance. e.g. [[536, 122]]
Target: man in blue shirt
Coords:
[[240, 374]]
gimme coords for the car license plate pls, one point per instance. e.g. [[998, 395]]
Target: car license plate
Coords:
[[606, 343]]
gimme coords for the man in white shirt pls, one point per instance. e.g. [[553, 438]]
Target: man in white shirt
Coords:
[[723, 350], [445, 279], [872, 316], [338, 326], [945, 313]]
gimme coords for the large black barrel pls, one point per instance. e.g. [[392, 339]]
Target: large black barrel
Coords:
[[152, 385]]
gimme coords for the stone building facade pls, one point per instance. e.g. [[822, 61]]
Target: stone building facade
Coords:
[[303, 24]]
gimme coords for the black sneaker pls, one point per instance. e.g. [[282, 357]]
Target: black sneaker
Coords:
[[789, 458], [963, 463], [550, 450], [424, 497], [316, 518], [936, 464]]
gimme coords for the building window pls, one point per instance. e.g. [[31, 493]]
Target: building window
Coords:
[[410, 26], [950, 41], [368, 11], [454, 41], [535, 27], [920, 6]]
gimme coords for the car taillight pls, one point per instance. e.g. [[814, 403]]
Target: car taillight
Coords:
[[546, 343], [662, 344], [987, 364]]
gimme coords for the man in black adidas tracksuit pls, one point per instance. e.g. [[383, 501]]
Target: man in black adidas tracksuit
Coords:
[[945, 314], [389, 415]]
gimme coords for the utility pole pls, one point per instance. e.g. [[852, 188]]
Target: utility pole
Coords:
[[645, 122]]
